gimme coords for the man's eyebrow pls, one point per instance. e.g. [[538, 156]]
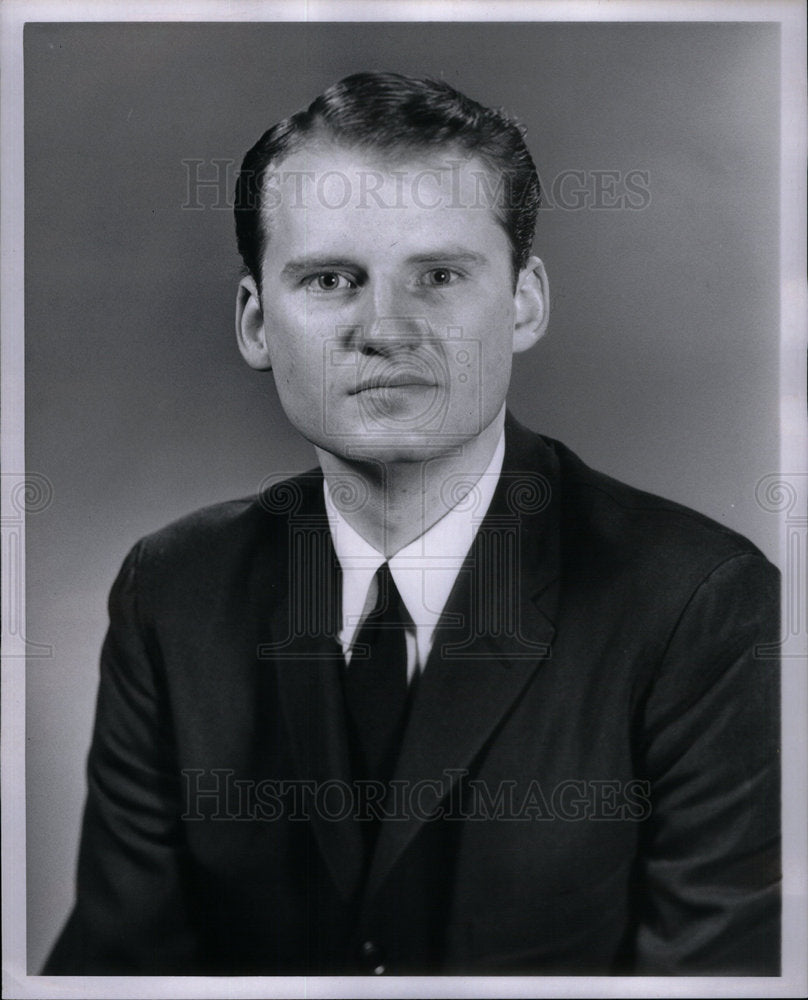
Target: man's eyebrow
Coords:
[[445, 255], [305, 265]]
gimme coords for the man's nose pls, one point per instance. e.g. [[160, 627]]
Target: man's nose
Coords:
[[389, 319]]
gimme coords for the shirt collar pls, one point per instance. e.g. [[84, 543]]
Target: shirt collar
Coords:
[[425, 570]]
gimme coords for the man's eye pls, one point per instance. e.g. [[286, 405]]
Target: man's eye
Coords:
[[329, 281], [439, 276]]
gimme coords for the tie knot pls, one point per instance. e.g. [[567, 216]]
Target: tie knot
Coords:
[[388, 607]]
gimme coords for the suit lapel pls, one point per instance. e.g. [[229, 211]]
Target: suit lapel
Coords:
[[496, 631], [304, 625]]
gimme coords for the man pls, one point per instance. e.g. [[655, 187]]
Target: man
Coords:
[[454, 702]]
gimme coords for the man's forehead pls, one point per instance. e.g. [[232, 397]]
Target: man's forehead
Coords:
[[324, 192], [321, 177]]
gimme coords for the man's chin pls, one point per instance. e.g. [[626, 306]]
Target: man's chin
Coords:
[[393, 449]]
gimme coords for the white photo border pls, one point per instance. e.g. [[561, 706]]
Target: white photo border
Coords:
[[790, 14]]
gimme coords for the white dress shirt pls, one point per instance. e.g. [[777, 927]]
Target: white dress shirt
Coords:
[[424, 571]]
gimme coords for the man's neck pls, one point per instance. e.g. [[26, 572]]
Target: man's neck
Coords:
[[404, 499]]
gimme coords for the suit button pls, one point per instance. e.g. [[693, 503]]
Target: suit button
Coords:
[[372, 958]]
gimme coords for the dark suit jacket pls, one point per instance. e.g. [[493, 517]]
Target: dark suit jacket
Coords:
[[588, 782]]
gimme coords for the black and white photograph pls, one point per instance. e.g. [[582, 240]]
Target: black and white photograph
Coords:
[[404, 499]]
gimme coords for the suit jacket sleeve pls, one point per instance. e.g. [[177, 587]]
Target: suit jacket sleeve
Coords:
[[131, 910], [710, 863]]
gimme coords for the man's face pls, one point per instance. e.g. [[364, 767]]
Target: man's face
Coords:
[[387, 311]]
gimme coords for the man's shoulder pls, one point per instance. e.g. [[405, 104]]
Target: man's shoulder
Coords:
[[608, 518], [233, 526], [607, 524]]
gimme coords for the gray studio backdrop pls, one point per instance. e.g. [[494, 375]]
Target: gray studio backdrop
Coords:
[[658, 147]]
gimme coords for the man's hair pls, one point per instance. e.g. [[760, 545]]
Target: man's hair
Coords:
[[395, 114]]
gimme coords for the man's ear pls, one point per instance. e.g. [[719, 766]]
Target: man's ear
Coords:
[[250, 331], [532, 302]]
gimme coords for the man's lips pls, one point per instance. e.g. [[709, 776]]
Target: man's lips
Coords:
[[392, 382]]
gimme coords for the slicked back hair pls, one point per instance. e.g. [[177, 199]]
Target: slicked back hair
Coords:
[[397, 115]]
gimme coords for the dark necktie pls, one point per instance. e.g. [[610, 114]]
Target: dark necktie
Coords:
[[376, 681]]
